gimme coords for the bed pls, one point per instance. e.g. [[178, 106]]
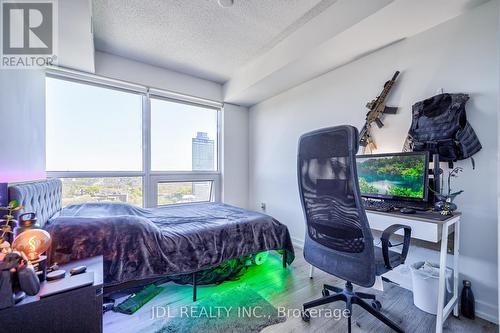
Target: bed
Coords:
[[142, 244]]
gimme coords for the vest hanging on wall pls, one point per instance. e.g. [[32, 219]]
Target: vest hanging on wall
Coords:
[[439, 125]]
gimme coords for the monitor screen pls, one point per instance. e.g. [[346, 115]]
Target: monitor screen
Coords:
[[394, 176]]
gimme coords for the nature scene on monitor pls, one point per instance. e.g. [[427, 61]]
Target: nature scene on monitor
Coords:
[[401, 176]]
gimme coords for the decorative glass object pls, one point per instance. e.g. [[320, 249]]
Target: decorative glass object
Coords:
[[32, 243]]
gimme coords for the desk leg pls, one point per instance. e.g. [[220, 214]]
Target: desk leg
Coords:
[[311, 271], [442, 278], [456, 251]]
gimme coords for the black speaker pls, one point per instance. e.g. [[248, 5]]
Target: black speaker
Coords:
[[4, 194]]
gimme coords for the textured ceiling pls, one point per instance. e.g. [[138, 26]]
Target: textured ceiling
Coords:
[[198, 37]]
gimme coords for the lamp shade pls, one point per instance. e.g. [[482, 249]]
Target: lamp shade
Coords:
[[32, 243]]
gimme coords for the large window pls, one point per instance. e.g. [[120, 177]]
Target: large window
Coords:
[[112, 144], [183, 137], [91, 128]]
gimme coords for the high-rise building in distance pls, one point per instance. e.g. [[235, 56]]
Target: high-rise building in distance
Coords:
[[202, 152]]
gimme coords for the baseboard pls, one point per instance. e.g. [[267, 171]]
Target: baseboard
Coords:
[[487, 311], [297, 242]]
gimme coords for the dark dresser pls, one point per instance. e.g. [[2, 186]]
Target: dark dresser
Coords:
[[77, 310]]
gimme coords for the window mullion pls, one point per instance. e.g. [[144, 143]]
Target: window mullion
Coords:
[[149, 200]]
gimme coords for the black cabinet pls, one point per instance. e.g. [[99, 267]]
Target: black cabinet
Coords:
[[77, 310]]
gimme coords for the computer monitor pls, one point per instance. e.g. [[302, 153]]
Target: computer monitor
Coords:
[[397, 176]]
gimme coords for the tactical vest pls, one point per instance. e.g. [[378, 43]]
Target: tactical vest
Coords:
[[440, 126]]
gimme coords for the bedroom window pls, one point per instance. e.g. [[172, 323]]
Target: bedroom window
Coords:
[[91, 128], [184, 192], [112, 141], [104, 189], [183, 136]]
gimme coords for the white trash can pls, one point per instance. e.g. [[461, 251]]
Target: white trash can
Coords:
[[425, 281]]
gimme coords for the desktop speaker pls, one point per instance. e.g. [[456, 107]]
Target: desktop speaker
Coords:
[[4, 194]]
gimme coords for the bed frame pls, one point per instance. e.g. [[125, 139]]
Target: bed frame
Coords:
[[44, 198]]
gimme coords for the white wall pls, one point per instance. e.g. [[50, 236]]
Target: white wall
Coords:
[[498, 178], [460, 55], [76, 40], [235, 155], [22, 95], [120, 68], [22, 125]]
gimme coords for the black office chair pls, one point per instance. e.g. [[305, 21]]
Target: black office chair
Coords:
[[338, 238]]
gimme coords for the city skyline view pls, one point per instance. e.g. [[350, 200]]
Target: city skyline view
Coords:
[[93, 128], [129, 189]]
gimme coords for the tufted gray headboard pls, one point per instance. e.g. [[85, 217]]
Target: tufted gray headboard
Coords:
[[41, 197]]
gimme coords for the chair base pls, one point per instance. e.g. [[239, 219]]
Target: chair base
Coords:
[[350, 297]]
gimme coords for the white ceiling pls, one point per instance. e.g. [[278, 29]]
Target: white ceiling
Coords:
[[344, 32], [259, 48], [198, 37]]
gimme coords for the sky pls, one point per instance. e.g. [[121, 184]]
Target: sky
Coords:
[[91, 128]]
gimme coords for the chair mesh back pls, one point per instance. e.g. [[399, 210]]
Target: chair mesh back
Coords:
[[338, 239], [327, 186]]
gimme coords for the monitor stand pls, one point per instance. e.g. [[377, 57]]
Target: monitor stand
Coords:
[[435, 182]]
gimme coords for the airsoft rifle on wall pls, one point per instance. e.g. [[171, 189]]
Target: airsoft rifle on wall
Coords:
[[377, 108]]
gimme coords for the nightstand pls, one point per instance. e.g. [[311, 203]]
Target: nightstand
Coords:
[[77, 310]]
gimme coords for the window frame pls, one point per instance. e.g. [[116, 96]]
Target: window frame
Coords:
[[201, 178], [150, 179]]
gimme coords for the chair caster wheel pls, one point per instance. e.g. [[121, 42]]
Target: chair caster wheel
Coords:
[[325, 293], [306, 316], [376, 305]]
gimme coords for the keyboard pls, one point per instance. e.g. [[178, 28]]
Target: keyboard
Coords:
[[390, 205], [136, 301]]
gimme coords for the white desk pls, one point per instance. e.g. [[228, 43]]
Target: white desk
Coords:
[[432, 231]]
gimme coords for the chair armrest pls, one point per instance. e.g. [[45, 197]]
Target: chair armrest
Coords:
[[386, 244]]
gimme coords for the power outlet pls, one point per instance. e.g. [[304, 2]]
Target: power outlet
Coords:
[[263, 206]]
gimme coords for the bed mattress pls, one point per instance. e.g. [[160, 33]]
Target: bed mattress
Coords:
[[139, 243]]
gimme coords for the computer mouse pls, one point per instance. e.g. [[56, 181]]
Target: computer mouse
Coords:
[[407, 211]]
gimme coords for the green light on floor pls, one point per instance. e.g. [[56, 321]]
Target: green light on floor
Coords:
[[268, 278], [258, 258]]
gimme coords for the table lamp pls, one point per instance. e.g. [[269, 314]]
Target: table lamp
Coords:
[[33, 243]]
